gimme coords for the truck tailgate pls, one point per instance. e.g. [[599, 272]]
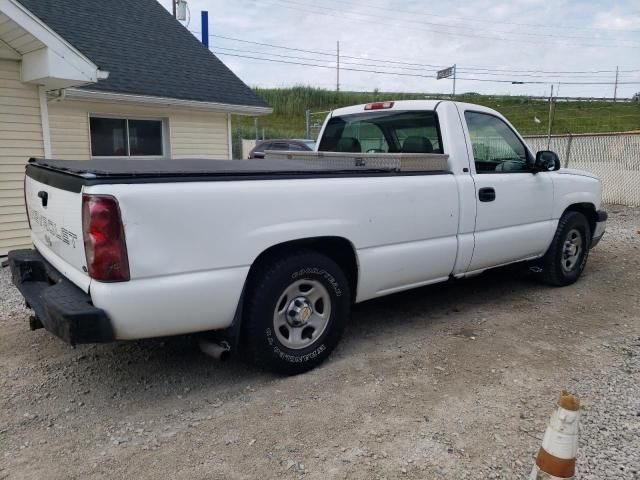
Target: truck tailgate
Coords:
[[56, 228]]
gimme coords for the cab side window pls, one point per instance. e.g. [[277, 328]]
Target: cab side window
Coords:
[[496, 148]]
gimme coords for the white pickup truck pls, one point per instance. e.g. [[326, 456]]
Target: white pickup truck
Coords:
[[269, 255]]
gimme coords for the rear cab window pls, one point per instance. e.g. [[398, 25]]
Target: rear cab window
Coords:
[[383, 132], [278, 146]]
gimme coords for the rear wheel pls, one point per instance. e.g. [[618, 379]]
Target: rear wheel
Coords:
[[296, 311], [567, 256]]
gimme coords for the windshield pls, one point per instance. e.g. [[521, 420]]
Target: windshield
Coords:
[[383, 132]]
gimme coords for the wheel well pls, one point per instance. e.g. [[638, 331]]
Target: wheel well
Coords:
[[339, 249], [588, 210]]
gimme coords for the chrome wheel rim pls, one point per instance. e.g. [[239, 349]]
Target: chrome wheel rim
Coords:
[[302, 314], [571, 250]]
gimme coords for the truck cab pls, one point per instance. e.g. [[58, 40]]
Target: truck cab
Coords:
[[511, 197]]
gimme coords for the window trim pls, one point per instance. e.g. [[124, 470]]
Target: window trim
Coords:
[[530, 158], [166, 147]]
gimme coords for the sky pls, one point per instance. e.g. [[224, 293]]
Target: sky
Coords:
[[562, 42]]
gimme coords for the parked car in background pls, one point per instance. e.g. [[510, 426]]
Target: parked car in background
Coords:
[[281, 144]]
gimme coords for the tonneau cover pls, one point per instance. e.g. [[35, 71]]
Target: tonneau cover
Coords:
[[98, 168], [73, 175]]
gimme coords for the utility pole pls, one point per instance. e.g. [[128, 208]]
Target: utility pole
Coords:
[[338, 66], [550, 118], [454, 81], [615, 88], [173, 5]]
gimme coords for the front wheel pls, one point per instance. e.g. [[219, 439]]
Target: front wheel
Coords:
[[567, 256], [296, 311]]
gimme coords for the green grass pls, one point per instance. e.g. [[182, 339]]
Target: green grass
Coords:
[[289, 106]]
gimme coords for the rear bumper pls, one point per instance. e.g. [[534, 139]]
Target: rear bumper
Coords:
[[59, 306], [601, 226]]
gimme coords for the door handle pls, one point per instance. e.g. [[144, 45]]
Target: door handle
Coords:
[[487, 194]]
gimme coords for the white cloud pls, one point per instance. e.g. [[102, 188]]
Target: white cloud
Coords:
[[617, 20]]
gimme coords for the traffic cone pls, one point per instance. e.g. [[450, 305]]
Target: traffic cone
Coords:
[[557, 456]]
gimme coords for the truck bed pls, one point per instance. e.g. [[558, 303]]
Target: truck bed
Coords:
[[97, 171]]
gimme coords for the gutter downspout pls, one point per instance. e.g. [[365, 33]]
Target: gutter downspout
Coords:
[[44, 120], [229, 136]]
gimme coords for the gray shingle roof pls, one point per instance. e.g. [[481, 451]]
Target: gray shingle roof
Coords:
[[144, 49]]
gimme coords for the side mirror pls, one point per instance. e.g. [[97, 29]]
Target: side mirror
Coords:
[[546, 161]]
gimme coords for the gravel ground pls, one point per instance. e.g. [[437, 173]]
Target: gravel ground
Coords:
[[450, 381]]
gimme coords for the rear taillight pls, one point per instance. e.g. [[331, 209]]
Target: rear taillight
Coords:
[[26, 207], [104, 242], [378, 105]]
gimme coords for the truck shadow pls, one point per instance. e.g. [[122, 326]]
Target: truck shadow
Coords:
[[175, 366], [444, 299]]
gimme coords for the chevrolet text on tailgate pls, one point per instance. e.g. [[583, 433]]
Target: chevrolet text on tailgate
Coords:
[[267, 256]]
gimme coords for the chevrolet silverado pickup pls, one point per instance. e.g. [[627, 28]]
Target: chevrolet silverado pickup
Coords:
[[269, 255]]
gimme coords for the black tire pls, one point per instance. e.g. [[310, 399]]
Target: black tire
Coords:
[[557, 270], [269, 282]]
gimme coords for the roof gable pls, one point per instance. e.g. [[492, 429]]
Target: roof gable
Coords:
[[144, 49]]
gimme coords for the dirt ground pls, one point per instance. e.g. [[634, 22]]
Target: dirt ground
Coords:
[[450, 381]]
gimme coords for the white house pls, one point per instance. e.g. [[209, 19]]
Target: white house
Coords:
[[82, 79]]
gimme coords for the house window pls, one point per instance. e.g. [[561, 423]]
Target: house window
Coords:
[[126, 137]]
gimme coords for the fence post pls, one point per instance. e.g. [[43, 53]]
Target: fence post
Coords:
[[567, 153], [550, 119], [307, 115]]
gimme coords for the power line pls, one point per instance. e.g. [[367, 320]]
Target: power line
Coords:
[[415, 74], [323, 66], [340, 15], [318, 59], [382, 59], [424, 22], [540, 82], [483, 21], [295, 57], [271, 45]]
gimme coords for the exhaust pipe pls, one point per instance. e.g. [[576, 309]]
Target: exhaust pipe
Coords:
[[220, 351]]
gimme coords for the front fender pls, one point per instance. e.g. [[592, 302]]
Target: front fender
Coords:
[[571, 189]]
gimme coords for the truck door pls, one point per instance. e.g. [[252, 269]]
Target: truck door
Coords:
[[514, 205]]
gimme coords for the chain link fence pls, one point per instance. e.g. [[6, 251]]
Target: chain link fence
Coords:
[[613, 157]]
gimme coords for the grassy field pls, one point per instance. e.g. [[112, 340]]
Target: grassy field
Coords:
[[530, 116]]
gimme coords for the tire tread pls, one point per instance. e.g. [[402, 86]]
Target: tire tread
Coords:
[[551, 273], [266, 274]]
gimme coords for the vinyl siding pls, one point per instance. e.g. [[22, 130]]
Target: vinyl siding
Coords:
[[199, 135], [20, 139], [69, 130], [191, 134]]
